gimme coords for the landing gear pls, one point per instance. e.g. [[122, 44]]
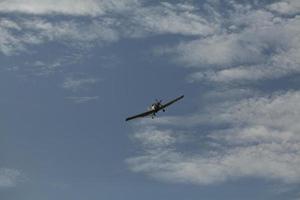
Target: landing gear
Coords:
[[153, 115]]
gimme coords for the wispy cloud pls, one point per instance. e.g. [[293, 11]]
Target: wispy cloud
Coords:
[[167, 18], [17, 34], [83, 99], [261, 140], [36, 28], [252, 44], [153, 138], [9, 177], [75, 84], [66, 7], [289, 7], [241, 132]]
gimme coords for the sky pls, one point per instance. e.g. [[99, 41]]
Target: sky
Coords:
[[71, 71]]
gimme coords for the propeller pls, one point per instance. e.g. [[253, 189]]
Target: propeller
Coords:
[[158, 101]]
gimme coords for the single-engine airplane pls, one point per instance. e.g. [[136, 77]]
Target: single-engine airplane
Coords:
[[154, 108]]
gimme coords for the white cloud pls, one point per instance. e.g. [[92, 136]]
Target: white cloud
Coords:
[[242, 39], [155, 138], [167, 18], [6, 23], [40, 68], [36, 28], [288, 7], [278, 111], [66, 7], [221, 50], [9, 43], [261, 140], [17, 35], [271, 161], [71, 30], [9, 177], [75, 84], [253, 44], [83, 99], [241, 73]]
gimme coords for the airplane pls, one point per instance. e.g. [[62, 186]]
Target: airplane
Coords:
[[154, 108]]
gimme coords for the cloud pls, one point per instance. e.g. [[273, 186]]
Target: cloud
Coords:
[[9, 43], [278, 111], [75, 84], [16, 35], [218, 50], [167, 18], [154, 138], [83, 99], [288, 7], [252, 161], [9, 177], [66, 7], [248, 137], [71, 30], [119, 19], [251, 44], [40, 68]]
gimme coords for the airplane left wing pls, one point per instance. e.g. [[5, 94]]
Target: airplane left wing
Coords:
[[171, 102], [141, 115]]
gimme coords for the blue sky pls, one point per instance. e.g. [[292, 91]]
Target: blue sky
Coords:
[[72, 71]]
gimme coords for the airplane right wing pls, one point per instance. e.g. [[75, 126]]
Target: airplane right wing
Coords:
[[141, 115]]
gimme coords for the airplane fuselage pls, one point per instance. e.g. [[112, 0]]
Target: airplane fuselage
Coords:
[[155, 107]]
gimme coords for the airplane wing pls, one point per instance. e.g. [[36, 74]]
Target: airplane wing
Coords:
[[171, 102], [141, 115], [154, 111]]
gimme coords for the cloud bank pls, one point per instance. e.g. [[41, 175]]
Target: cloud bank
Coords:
[[93, 22], [239, 132], [66, 7], [251, 44], [262, 140]]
